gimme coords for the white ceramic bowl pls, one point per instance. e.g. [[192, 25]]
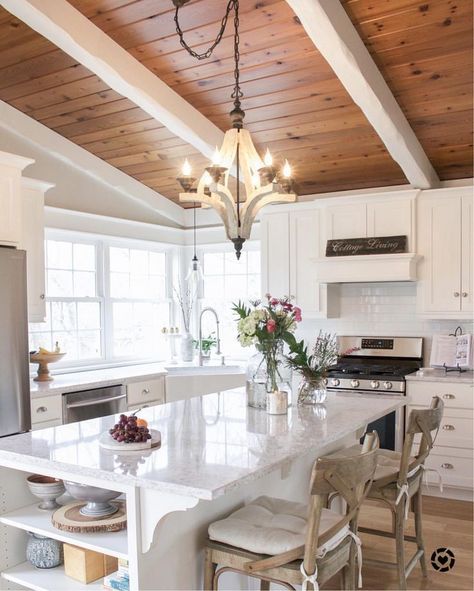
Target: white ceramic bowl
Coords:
[[97, 499], [46, 488]]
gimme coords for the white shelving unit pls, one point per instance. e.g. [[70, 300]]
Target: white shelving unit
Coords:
[[52, 579], [36, 520]]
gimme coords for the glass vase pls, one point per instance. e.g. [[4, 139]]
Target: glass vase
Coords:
[[312, 391], [259, 383]]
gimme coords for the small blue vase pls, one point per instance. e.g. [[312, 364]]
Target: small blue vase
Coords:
[[44, 552]]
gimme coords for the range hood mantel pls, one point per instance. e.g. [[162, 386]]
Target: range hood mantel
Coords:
[[368, 268]]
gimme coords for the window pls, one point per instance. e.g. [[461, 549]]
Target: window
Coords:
[[226, 280], [106, 301]]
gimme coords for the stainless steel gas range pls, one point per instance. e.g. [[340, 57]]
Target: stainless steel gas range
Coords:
[[377, 366]]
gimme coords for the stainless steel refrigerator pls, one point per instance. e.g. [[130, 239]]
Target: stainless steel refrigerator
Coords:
[[15, 411]]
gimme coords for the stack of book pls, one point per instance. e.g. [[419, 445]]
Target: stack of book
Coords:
[[118, 580]]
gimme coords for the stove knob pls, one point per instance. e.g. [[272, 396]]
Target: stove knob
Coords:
[[387, 385], [374, 384], [355, 383], [335, 382]]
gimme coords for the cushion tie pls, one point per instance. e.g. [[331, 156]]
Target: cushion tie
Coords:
[[313, 579], [358, 543], [440, 479], [403, 492]]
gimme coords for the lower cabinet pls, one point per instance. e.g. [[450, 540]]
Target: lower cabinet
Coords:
[[146, 393], [290, 248], [46, 411], [452, 453]]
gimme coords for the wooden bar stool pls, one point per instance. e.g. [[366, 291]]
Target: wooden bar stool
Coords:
[[398, 480], [293, 544]]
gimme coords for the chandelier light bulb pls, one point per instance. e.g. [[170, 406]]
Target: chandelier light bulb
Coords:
[[287, 170], [186, 168], [216, 157], [268, 159], [206, 178]]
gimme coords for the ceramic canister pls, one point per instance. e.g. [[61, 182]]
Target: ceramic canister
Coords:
[[44, 552]]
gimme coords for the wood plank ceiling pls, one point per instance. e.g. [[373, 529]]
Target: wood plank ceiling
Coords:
[[294, 103]]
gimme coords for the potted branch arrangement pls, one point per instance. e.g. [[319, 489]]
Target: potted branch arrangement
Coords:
[[312, 366], [186, 297], [267, 325]]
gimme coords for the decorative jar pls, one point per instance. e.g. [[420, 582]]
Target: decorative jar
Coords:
[[259, 383], [312, 391], [187, 347], [43, 552]]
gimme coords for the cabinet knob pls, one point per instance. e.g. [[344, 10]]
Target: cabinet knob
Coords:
[[42, 296], [449, 427], [145, 391], [41, 409], [464, 294], [447, 466], [456, 294], [449, 396]]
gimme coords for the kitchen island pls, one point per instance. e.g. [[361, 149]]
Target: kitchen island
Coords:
[[216, 454]]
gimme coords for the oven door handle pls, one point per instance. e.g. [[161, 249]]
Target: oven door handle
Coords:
[[94, 402]]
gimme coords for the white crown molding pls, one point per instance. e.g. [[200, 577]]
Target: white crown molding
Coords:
[[36, 184], [332, 32], [66, 151], [15, 161]]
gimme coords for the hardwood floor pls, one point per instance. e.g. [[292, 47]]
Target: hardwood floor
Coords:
[[446, 524]]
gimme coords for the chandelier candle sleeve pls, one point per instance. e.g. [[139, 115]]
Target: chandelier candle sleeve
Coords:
[[237, 156]]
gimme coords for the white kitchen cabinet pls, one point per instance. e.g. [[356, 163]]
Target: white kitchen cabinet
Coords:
[[32, 240], [452, 452], [151, 391], [345, 220], [290, 247], [392, 217], [10, 197], [446, 245]]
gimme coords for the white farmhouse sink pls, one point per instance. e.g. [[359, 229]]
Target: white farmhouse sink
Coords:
[[188, 380]]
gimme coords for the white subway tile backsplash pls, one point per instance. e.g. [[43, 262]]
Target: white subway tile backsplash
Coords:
[[385, 309]]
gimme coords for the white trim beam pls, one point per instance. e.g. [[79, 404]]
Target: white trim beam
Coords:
[[332, 32], [71, 31]]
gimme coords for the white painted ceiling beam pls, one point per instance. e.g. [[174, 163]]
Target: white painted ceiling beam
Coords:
[[73, 155], [71, 31], [332, 32]]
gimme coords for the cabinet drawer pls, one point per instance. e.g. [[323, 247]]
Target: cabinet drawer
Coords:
[[454, 466], [455, 429], [48, 408], [453, 395], [144, 392]]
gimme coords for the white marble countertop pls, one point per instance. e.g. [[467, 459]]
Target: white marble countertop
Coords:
[[210, 444], [439, 375], [82, 380]]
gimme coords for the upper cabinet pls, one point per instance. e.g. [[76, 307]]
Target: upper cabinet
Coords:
[[445, 230], [11, 167], [32, 240], [290, 247]]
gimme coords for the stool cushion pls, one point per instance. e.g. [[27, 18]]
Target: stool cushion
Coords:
[[272, 526]]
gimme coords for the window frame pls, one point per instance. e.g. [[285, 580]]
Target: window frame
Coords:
[[103, 297]]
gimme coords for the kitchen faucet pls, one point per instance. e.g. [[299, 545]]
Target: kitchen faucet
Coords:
[[200, 333]]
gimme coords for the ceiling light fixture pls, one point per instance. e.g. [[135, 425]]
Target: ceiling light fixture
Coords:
[[194, 276], [264, 184]]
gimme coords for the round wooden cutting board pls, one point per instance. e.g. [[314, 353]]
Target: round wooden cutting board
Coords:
[[68, 518]]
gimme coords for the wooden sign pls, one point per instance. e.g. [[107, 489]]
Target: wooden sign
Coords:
[[358, 246]]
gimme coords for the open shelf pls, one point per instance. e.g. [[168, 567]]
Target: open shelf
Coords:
[[38, 521], [51, 579]]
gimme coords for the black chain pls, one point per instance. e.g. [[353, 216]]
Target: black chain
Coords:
[[237, 93], [206, 54]]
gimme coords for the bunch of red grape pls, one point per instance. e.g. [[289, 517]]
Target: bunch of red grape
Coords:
[[127, 431]]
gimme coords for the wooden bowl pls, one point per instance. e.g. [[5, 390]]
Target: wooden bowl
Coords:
[[43, 359]]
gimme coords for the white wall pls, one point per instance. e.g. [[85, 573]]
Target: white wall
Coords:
[[385, 309]]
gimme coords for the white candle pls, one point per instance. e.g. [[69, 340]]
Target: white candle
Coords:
[[277, 403]]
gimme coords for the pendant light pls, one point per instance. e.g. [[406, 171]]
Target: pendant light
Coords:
[[195, 275], [264, 184]]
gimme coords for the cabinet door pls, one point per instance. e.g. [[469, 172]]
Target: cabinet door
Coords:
[[392, 218], [33, 242], [304, 248], [276, 254], [467, 248], [440, 245], [344, 221], [10, 205]]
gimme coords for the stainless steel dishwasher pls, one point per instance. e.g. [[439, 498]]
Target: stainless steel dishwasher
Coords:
[[90, 404]]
